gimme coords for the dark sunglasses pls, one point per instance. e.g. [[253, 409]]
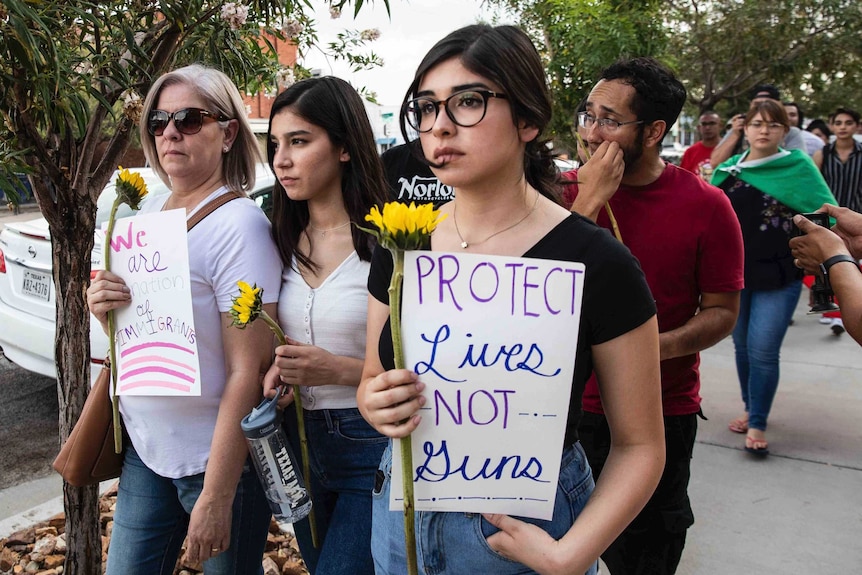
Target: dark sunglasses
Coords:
[[188, 121]]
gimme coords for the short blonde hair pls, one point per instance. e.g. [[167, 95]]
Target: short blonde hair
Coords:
[[221, 95]]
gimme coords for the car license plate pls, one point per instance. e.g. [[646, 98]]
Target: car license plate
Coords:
[[37, 285]]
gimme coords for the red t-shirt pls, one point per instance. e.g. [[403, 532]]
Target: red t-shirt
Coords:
[[687, 238], [695, 156]]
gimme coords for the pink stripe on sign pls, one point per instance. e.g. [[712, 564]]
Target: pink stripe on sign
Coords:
[[156, 369], [156, 359], [161, 384], [156, 344]]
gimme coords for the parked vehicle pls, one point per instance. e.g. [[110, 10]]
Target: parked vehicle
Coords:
[[27, 293]]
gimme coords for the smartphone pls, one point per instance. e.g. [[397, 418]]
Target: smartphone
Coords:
[[821, 220]]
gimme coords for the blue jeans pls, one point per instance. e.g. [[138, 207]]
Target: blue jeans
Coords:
[[152, 518], [344, 452], [760, 328], [456, 543]]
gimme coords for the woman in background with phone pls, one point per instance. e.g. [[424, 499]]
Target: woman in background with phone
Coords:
[[767, 186]]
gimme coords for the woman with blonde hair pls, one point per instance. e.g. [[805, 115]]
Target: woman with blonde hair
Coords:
[[186, 472]]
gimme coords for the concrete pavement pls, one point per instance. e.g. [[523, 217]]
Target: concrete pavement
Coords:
[[799, 510]]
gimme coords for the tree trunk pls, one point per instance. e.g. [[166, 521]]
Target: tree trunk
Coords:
[[72, 243]]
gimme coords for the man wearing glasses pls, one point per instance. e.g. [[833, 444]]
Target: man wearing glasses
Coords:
[[687, 238], [696, 157]]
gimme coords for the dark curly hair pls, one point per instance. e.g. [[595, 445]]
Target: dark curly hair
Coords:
[[659, 95], [507, 57]]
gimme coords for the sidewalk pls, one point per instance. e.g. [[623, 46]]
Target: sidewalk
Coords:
[[799, 510]]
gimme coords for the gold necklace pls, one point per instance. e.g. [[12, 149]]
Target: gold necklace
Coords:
[[465, 244], [323, 232]]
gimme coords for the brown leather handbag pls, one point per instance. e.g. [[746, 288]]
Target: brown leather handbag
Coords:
[[88, 455]]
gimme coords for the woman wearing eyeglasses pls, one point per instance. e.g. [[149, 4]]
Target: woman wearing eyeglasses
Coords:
[[480, 104], [767, 186], [186, 472]]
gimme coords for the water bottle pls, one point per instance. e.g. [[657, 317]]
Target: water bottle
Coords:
[[275, 463]]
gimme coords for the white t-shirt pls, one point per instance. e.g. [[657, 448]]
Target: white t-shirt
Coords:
[[172, 435], [331, 316]]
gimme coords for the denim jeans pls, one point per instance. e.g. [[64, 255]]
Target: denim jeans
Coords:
[[763, 319], [152, 517], [344, 452], [456, 543]]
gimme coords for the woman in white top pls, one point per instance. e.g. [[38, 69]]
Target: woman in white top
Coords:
[[186, 469], [321, 149]]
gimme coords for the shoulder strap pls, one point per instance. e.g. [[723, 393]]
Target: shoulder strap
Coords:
[[211, 207]]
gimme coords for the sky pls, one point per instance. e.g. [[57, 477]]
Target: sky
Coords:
[[415, 26]]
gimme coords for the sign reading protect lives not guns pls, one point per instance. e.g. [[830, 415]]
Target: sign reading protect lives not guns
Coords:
[[155, 334], [494, 340]]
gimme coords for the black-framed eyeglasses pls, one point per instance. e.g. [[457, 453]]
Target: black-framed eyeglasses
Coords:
[[586, 120], [465, 108], [188, 121]]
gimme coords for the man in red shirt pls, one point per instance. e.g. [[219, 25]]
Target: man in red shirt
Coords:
[[696, 157], [688, 240]]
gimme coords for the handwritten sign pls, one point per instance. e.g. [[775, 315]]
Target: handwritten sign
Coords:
[[494, 340], [155, 335]]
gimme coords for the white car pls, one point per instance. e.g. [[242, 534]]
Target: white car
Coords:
[[27, 298]]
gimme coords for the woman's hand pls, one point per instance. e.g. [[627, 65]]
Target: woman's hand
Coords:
[[390, 402], [209, 527], [107, 292], [527, 544], [300, 364], [273, 385]]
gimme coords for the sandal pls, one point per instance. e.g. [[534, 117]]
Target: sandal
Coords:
[[756, 446], [739, 425]]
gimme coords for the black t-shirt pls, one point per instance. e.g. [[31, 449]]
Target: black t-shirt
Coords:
[[616, 296], [766, 225], [410, 180]]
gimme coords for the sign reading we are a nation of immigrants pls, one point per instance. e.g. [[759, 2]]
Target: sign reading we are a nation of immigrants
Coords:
[[155, 336], [494, 340]]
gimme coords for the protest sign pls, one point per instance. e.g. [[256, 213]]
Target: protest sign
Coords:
[[494, 340], [155, 335]]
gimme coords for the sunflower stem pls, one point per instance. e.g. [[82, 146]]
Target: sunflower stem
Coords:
[[300, 421], [112, 328], [405, 442]]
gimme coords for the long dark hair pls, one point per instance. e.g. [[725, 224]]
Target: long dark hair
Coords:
[[333, 105], [507, 57]]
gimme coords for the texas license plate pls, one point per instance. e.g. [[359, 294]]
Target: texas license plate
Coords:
[[37, 285]]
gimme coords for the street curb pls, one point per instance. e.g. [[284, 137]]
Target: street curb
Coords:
[[43, 511]]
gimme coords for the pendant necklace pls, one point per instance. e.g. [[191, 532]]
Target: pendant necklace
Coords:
[[465, 244], [323, 232]]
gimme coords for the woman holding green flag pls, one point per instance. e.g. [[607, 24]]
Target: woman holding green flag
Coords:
[[480, 104], [767, 186]]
